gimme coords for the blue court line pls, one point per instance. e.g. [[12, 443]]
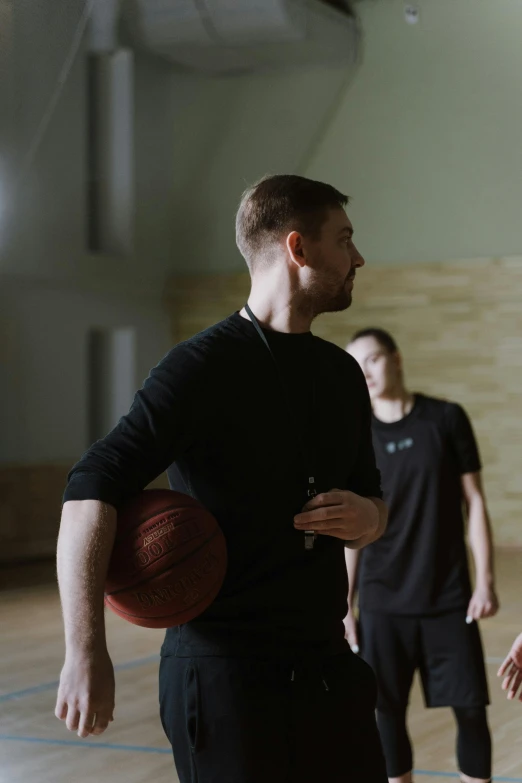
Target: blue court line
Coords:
[[456, 775], [144, 749], [85, 744], [47, 686]]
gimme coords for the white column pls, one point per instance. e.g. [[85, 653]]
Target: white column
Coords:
[[111, 199], [112, 378]]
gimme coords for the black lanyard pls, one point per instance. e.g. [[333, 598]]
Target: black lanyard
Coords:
[[310, 535]]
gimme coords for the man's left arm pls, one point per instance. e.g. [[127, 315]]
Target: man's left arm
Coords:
[[377, 518], [357, 515], [484, 602], [356, 520]]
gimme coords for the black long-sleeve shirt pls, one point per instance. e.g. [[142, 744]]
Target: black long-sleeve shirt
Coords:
[[240, 435]]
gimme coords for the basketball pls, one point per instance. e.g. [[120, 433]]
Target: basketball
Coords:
[[168, 561]]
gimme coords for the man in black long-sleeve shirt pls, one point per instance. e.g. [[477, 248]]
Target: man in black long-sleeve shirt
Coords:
[[268, 427]]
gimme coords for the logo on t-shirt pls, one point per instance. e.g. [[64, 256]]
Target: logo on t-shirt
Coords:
[[393, 447]]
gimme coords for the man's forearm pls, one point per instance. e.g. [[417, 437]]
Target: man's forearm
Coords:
[[369, 538], [85, 544]]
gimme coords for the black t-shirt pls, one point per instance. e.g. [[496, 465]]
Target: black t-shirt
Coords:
[[419, 566], [213, 410]]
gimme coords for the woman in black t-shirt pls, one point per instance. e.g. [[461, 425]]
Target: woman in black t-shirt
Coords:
[[417, 607]]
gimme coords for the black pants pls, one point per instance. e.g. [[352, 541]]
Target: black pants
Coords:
[[240, 720]]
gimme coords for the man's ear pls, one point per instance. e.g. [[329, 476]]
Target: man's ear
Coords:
[[295, 248]]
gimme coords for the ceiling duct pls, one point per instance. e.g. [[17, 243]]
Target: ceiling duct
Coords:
[[220, 36]]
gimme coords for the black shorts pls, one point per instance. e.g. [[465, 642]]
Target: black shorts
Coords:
[[241, 720], [446, 650]]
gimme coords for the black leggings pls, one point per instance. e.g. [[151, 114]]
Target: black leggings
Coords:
[[473, 742]]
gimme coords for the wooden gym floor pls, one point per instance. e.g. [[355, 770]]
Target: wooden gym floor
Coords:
[[34, 746]]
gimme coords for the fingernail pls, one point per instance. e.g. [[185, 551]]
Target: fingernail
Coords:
[[355, 648], [469, 620]]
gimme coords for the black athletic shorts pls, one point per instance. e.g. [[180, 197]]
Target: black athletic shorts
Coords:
[[242, 720], [446, 650]]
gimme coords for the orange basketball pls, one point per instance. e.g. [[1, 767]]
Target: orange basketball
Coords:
[[168, 562]]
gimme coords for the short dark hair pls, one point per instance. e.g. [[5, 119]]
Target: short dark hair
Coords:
[[383, 337], [282, 202]]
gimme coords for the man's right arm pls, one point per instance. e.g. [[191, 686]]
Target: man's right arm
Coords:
[[86, 691], [162, 423]]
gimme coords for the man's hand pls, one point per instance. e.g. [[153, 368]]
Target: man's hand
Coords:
[[351, 631], [484, 603], [86, 693], [341, 514], [511, 670]]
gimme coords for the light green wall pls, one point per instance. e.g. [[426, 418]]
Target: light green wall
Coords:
[[240, 128], [426, 136], [429, 138], [43, 146]]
